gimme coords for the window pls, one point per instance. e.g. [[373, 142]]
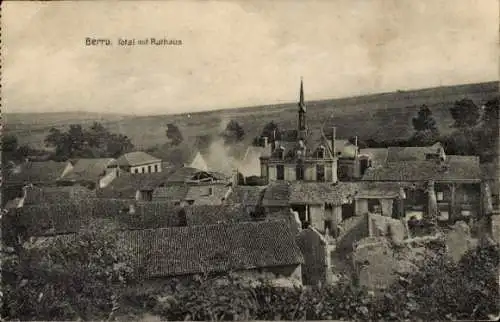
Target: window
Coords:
[[210, 191], [149, 169], [439, 196], [142, 169], [299, 172], [321, 153], [280, 152], [156, 168], [320, 172], [136, 170], [280, 172]]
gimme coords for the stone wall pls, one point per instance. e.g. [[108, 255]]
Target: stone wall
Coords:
[[314, 247]]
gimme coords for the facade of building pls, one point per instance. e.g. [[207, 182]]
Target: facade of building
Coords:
[[138, 162], [455, 182], [302, 154]]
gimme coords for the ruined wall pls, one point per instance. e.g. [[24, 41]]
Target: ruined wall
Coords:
[[495, 227], [361, 206], [317, 217], [316, 263]]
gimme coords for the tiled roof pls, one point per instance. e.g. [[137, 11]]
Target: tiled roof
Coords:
[[37, 172], [175, 192], [456, 168], [88, 169], [315, 139], [38, 195], [136, 158], [247, 195], [378, 156], [71, 216], [208, 176], [277, 194], [182, 174], [211, 194], [213, 248], [321, 193], [378, 189], [411, 153], [211, 214], [126, 185]]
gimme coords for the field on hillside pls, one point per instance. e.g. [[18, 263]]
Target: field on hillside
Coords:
[[378, 116]]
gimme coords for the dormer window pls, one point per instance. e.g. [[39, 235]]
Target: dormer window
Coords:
[[280, 152], [321, 152]]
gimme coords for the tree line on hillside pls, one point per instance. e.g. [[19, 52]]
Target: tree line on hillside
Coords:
[[76, 142], [92, 276], [475, 130]]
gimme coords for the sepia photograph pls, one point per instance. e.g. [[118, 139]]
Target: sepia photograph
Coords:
[[250, 160]]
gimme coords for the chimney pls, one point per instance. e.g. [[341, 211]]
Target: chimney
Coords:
[[234, 181], [334, 135]]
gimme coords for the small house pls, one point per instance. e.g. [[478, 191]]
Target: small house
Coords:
[[98, 172], [138, 162]]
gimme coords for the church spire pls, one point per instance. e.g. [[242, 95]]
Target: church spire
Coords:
[[302, 111], [302, 104]]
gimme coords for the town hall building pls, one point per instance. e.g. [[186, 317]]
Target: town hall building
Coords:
[[301, 154]]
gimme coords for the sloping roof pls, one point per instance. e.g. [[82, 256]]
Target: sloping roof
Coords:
[[377, 155], [314, 141], [322, 192], [71, 216], [378, 190], [136, 158], [211, 214], [39, 195], [36, 172], [213, 248], [127, 184], [180, 155], [182, 174], [175, 192], [456, 168], [88, 169], [202, 196], [412, 153], [209, 176], [247, 195], [277, 194]]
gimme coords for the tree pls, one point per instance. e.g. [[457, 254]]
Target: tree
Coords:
[[174, 134], [465, 113], [94, 142], [233, 132], [67, 277], [425, 126], [424, 121]]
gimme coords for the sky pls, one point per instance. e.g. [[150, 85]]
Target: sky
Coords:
[[237, 53]]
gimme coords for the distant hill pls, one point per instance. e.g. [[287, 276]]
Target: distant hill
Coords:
[[378, 116]]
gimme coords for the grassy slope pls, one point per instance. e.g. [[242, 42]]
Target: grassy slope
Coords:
[[378, 116]]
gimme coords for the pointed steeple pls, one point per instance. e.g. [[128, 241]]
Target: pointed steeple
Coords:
[[302, 104], [302, 112]]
